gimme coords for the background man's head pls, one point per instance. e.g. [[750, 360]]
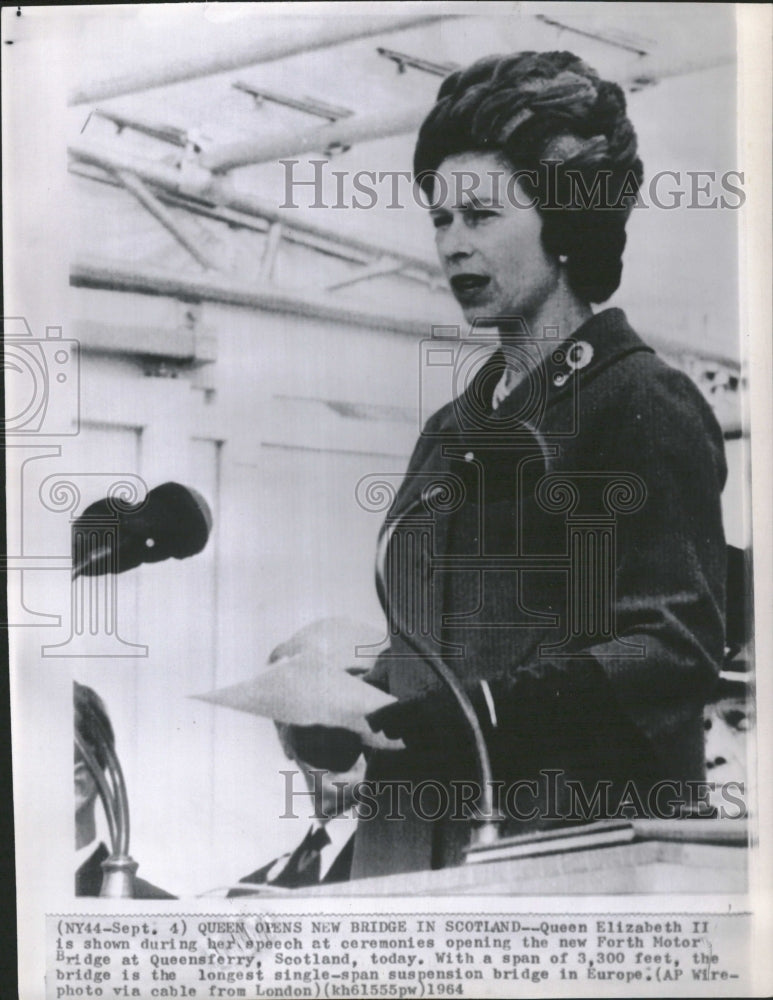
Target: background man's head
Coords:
[[728, 715], [330, 759], [727, 720]]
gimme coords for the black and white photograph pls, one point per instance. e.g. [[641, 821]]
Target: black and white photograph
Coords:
[[387, 473]]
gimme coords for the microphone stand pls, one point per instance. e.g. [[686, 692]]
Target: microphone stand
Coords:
[[100, 522], [486, 832], [119, 868]]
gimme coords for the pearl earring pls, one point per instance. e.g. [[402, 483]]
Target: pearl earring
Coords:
[[563, 258]]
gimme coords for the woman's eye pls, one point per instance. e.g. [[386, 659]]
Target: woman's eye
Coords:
[[438, 221], [476, 215]]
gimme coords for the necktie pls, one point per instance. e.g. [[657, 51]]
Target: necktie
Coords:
[[304, 865]]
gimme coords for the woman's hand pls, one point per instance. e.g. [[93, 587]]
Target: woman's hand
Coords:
[[548, 696], [432, 722]]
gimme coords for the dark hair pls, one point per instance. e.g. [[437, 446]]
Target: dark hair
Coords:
[[92, 723], [535, 107]]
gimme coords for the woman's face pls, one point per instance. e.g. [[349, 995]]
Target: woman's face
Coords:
[[488, 240]]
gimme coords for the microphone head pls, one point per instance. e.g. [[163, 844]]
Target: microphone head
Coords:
[[173, 521]]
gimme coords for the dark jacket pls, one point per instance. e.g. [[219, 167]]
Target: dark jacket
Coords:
[[88, 879], [574, 558]]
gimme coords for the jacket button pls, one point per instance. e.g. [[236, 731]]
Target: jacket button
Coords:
[[469, 456]]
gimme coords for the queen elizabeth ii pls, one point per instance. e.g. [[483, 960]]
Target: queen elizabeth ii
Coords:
[[575, 586]]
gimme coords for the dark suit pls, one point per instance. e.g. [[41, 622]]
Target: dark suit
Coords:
[[88, 879], [339, 871], [625, 440]]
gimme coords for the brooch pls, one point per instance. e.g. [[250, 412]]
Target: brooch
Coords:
[[577, 357]]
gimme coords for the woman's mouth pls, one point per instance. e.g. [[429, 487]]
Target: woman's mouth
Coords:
[[467, 287]]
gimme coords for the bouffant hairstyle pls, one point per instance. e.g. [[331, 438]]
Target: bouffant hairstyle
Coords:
[[92, 723], [550, 114]]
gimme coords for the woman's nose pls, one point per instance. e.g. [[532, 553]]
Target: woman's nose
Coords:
[[454, 243]]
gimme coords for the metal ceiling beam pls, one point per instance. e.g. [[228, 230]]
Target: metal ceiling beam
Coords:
[[380, 269], [147, 199], [326, 139], [629, 44], [120, 277], [404, 59], [195, 183], [307, 105], [164, 133], [231, 217], [249, 52]]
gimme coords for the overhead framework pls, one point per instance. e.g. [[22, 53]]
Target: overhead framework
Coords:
[[194, 176], [119, 276], [135, 186], [403, 60], [339, 136], [305, 104], [641, 47], [198, 191], [344, 128], [241, 52], [164, 133], [330, 139]]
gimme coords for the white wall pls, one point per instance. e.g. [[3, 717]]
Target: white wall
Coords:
[[290, 544]]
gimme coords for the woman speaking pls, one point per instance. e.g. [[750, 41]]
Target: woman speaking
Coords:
[[557, 540]]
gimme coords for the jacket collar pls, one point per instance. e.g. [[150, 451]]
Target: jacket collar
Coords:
[[469, 418], [601, 341]]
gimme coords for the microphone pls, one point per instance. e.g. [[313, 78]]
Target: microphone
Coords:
[[95, 743], [110, 536], [486, 832]]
